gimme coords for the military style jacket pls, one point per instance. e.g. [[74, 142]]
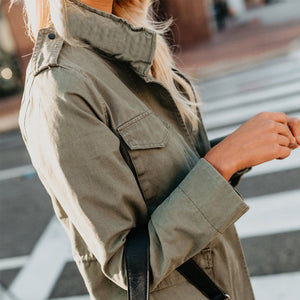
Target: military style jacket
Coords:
[[110, 147]]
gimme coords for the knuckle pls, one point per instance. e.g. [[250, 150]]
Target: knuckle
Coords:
[[275, 138], [283, 116], [276, 149], [286, 141], [271, 125], [263, 115]]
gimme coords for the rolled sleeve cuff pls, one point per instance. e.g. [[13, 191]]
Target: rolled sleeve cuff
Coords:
[[214, 197]]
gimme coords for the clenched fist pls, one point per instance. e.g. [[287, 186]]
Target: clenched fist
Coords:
[[266, 136]]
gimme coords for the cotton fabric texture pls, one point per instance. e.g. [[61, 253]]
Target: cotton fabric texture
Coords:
[[84, 113]]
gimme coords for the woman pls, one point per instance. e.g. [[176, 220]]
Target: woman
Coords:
[[115, 134]]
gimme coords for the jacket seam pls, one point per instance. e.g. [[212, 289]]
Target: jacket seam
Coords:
[[206, 219], [161, 143], [27, 107], [133, 121], [78, 72], [242, 257]]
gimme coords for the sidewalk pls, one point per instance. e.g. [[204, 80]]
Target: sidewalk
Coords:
[[241, 46], [259, 35]]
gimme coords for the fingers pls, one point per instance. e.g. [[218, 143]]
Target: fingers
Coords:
[[280, 123], [285, 131], [284, 152], [282, 140], [294, 126]]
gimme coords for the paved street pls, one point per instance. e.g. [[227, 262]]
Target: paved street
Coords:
[[35, 257]]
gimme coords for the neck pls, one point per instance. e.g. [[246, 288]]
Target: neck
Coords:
[[104, 5]]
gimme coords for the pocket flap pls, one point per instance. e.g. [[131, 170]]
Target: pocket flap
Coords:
[[145, 131]]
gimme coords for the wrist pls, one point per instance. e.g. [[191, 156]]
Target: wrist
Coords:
[[225, 168]]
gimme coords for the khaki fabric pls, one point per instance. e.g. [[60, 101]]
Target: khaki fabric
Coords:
[[109, 145]]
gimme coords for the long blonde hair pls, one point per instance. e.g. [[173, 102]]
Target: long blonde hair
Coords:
[[140, 13]]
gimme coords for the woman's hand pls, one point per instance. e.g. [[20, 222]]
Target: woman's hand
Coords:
[[266, 136]]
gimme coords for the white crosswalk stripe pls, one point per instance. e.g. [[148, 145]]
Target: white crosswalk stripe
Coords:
[[276, 287], [266, 211], [271, 94], [40, 272], [269, 82], [219, 119]]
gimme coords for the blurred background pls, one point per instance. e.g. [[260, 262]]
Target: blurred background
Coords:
[[243, 57]]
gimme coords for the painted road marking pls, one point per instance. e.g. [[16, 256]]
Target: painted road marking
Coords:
[[37, 279], [231, 89], [291, 162], [272, 93], [5, 295], [240, 114], [279, 67], [276, 287], [13, 262], [22, 171], [226, 129], [270, 214]]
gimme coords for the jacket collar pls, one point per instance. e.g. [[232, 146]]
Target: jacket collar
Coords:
[[113, 35]]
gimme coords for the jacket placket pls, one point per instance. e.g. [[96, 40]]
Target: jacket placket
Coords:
[[151, 79]]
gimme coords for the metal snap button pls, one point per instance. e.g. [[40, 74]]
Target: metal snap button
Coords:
[[51, 36]]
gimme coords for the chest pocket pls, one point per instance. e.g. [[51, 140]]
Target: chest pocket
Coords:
[[146, 137], [159, 157], [146, 131]]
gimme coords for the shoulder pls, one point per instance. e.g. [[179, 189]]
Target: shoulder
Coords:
[[47, 72], [51, 50], [56, 68], [56, 87]]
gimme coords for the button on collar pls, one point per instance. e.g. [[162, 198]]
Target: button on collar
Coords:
[[51, 36]]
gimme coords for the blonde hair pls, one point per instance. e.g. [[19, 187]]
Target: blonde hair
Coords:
[[140, 13]]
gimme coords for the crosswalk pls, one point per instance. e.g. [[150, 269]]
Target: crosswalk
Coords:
[[274, 211]]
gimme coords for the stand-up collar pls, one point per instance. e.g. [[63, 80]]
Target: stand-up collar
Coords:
[[113, 35]]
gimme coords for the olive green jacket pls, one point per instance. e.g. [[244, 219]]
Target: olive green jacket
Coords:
[[110, 146]]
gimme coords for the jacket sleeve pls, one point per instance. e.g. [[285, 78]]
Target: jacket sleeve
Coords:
[[78, 160]]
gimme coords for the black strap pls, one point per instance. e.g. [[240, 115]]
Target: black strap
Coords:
[[198, 278], [137, 263]]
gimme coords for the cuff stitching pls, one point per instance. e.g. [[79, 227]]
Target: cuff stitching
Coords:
[[199, 210]]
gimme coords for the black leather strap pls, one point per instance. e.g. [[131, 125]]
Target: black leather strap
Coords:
[[137, 263], [198, 278]]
